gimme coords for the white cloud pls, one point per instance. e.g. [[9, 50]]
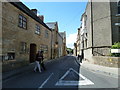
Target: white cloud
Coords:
[[70, 40]]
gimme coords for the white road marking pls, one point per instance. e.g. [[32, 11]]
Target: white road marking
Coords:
[[46, 81], [62, 82]]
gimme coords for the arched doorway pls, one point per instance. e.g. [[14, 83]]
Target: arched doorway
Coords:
[[33, 49]]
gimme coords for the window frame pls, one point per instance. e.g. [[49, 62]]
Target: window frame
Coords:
[[23, 47], [22, 21], [46, 34], [37, 29]]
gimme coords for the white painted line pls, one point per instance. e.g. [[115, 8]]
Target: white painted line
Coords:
[[65, 74], [62, 82], [46, 81]]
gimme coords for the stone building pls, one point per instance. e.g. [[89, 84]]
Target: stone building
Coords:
[[63, 34], [100, 28], [23, 34], [58, 40], [75, 49], [60, 45], [54, 38], [78, 42]]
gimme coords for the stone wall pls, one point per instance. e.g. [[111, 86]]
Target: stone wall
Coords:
[[104, 51], [13, 64], [102, 35], [12, 36], [107, 61]]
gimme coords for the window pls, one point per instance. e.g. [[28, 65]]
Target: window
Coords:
[[11, 56], [37, 31], [119, 29], [46, 34], [23, 47], [44, 48], [118, 7], [22, 22]]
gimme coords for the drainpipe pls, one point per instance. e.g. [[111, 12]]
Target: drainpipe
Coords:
[[51, 42], [92, 24]]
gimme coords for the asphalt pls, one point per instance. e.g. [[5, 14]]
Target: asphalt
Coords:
[[21, 70], [85, 64], [51, 78], [55, 70]]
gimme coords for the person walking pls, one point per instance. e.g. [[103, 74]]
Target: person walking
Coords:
[[37, 62], [82, 56], [78, 57], [41, 61]]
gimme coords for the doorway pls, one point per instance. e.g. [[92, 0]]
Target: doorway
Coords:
[[33, 49]]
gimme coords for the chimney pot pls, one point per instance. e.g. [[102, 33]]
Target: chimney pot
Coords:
[[41, 17], [34, 11]]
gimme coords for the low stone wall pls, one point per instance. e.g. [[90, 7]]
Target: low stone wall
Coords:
[[107, 61], [13, 64]]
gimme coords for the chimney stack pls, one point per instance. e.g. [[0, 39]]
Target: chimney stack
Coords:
[[34, 11], [78, 30], [41, 17]]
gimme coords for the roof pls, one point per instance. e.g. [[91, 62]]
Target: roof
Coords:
[[27, 11], [62, 34], [83, 15], [51, 25]]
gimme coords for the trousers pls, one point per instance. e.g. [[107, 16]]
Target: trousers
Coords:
[[37, 65]]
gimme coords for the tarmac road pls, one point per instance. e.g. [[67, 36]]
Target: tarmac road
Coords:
[[63, 73]]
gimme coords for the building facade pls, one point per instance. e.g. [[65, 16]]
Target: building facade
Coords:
[[23, 34], [58, 40], [78, 42], [100, 28], [54, 38], [63, 34], [60, 45]]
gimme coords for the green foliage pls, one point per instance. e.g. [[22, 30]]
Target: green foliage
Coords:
[[116, 46], [69, 50]]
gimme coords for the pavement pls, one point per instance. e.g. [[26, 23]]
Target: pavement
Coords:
[[112, 71]]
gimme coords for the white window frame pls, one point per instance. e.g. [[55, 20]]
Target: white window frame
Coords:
[[37, 29], [22, 21], [46, 34], [117, 24]]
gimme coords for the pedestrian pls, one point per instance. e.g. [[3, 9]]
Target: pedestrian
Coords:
[[37, 62], [41, 61], [82, 56], [78, 57]]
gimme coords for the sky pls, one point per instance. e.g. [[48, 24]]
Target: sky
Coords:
[[67, 14]]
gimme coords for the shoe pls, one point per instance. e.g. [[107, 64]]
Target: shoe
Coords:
[[34, 70]]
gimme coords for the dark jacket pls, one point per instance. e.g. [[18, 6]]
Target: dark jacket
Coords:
[[39, 57]]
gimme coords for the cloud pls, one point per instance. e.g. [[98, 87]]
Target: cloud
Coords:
[[70, 40]]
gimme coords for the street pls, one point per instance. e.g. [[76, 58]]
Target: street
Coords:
[[62, 73]]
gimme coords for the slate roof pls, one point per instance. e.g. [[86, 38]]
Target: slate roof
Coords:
[[62, 34], [26, 10], [51, 25]]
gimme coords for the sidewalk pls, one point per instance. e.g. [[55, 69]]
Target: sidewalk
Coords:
[[100, 69], [18, 71]]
